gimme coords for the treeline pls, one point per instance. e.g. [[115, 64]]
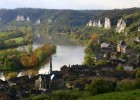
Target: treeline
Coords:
[[57, 19]]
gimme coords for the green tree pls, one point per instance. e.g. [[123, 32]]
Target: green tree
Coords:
[[127, 84], [53, 49], [101, 62], [6, 63], [30, 49], [89, 58], [138, 73], [119, 67], [100, 86]]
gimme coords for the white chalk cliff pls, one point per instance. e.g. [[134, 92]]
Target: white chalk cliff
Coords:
[[20, 18], [50, 20], [37, 22], [99, 23], [121, 25], [28, 19], [94, 23], [107, 24], [89, 23]]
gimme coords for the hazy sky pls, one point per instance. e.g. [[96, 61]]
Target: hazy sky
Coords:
[[70, 4]]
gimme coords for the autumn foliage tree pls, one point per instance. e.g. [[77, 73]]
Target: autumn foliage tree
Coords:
[[95, 38], [38, 56], [29, 61]]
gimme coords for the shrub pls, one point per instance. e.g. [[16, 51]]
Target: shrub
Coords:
[[101, 86]]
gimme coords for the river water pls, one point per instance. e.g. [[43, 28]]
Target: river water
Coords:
[[65, 55]]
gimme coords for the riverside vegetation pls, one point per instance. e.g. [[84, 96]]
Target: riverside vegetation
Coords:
[[13, 58]]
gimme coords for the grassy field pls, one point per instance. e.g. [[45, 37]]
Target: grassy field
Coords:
[[73, 95], [3, 34], [17, 40], [127, 95]]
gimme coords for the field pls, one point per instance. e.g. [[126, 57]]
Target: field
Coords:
[[73, 95], [17, 40], [127, 95]]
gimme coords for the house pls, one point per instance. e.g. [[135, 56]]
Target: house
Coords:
[[128, 68], [41, 82], [137, 40], [105, 47], [123, 48], [139, 29], [65, 70]]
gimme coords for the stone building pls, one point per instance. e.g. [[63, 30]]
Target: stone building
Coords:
[[105, 47], [139, 29], [123, 48], [42, 82]]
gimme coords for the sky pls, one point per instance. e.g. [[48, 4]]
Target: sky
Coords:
[[70, 4]]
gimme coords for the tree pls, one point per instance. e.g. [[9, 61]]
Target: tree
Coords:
[[119, 67], [123, 56], [89, 58], [128, 84], [138, 73], [30, 49], [101, 86], [6, 61], [101, 62], [29, 61], [95, 37], [24, 59], [53, 49]]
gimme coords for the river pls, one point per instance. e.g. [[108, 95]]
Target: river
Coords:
[[65, 55]]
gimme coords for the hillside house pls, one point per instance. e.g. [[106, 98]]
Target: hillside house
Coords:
[[139, 29], [128, 68], [105, 47], [123, 48], [137, 40], [41, 82]]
